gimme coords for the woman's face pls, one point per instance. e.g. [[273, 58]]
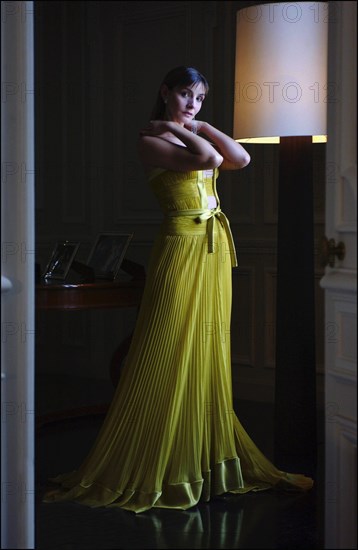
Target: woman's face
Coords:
[[184, 102]]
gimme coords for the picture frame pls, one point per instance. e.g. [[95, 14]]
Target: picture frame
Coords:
[[61, 260], [107, 254]]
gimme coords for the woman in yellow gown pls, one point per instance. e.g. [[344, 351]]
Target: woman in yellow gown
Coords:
[[171, 437]]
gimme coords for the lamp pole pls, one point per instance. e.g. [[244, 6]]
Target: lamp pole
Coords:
[[295, 437]]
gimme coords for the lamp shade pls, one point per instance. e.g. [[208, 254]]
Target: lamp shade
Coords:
[[281, 70]]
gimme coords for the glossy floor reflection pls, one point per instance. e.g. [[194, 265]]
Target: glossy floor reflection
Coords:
[[263, 520]]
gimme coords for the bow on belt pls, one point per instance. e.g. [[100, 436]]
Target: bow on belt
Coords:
[[210, 215]]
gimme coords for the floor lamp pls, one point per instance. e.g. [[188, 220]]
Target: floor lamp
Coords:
[[280, 97]]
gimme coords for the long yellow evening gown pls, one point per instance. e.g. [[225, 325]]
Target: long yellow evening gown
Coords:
[[171, 438]]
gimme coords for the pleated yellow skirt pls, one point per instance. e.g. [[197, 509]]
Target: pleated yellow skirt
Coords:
[[171, 437]]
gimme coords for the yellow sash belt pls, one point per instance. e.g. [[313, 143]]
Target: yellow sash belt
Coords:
[[210, 215]]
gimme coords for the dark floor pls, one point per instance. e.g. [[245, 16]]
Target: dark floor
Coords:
[[264, 520]]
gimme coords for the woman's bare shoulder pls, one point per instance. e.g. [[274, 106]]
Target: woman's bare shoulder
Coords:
[[162, 152]]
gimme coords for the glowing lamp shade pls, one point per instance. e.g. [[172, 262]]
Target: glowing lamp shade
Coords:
[[281, 71]]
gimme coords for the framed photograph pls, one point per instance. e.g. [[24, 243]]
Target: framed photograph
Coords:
[[107, 254], [61, 259]]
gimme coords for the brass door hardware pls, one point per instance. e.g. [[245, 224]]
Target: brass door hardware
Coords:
[[330, 250]]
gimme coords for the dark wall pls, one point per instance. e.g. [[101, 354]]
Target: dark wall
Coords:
[[98, 68]]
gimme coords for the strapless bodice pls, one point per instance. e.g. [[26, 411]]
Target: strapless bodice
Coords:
[[178, 191]]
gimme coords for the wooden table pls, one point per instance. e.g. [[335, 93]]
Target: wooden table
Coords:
[[66, 296], [104, 294]]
